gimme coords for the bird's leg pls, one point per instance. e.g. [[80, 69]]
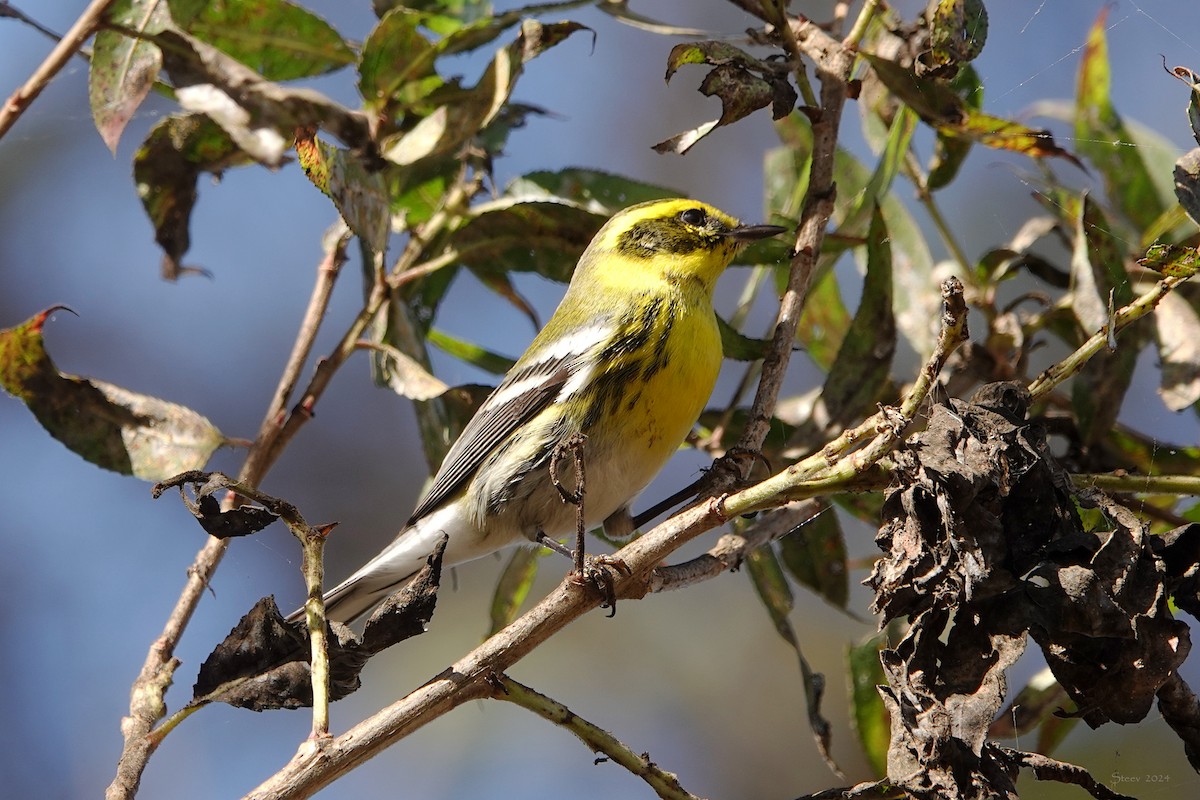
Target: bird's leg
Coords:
[[596, 572], [572, 446], [553, 544]]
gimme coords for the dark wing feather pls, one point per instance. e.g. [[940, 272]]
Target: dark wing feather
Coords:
[[492, 424]]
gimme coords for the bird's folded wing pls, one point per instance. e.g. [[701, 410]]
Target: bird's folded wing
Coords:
[[525, 392]]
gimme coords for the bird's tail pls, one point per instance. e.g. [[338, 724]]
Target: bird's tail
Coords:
[[379, 577]]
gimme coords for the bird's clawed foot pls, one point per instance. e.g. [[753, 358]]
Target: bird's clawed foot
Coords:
[[599, 574]]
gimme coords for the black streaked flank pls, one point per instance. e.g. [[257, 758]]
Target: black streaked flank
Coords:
[[631, 358]]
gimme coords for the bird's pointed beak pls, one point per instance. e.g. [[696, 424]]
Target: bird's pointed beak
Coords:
[[752, 233]]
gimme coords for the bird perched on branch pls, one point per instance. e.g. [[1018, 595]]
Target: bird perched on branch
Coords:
[[619, 374]]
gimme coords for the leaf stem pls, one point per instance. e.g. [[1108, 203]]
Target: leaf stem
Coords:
[[925, 197], [869, 9]]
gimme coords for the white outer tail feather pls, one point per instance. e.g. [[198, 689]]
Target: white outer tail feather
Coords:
[[399, 561]]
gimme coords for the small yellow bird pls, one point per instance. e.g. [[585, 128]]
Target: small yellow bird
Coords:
[[628, 359]]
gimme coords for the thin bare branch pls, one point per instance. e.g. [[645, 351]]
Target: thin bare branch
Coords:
[[1122, 319], [146, 696], [470, 678], [834, 63], [87, 24], [731, 549], [665, 784]]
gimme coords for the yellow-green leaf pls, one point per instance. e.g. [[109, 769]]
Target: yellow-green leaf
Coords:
[[513, 586], [110, 426], [279, 40], [871, 721], [815, 555], [123, 68], [358, 193], [1103, 139], [937, 105], [1172, 260]]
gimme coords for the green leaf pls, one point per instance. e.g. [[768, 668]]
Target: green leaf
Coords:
[[864, 506], [825, 321], [600, 192], [467, 25], [775, 448], [1098, 274], [493, 137], [1148, 455], [510, 235], [279, 40], [860, 372], [709, 52], [1192, 79], [449, 126], [513, 587], [418, 190], [471, 353], [857, 220], [259, 115], [501, 284], [767, 576], [396, 68], [957, 32], [814, 554], [111, 427], [123, 68], [1187, 183], [951, 151], [407, 377], [1097, 267], [1103, 139], [938, 105], [738, 346], [871, 720], [165, 168], [1177, 332], [786, 169], [397, 334], [466, 10], [359, 194], [1173, 260], [917, 305]]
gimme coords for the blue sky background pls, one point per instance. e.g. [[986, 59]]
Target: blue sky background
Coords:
[[92, 565]]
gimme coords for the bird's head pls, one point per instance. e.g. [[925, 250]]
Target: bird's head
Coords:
[[681, 241]]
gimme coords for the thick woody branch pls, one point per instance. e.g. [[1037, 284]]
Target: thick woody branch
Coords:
[[318, 764]]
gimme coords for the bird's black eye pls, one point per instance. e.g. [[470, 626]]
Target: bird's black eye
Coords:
[[694, 217]]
